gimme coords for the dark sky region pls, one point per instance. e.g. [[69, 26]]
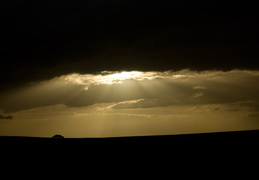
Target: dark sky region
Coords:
[[179, 55]]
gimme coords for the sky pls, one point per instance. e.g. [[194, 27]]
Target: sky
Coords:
[[109, 68]]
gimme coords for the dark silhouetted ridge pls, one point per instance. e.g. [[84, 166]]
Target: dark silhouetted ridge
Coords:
[[249, 137]]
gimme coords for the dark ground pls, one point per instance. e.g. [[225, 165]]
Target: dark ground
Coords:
[[206, 140], [194, 155]]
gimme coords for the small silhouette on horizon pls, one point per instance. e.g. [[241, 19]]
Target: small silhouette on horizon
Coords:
[[58, 136]]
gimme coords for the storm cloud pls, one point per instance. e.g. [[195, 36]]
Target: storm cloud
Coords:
[[44, 39]]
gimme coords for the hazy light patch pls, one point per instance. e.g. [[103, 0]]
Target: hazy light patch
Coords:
[[199, 88]]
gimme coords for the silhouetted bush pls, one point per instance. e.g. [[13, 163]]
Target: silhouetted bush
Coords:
[[58, 136]]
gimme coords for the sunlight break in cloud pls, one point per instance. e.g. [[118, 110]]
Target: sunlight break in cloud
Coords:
[[108, 77], [115, 77]]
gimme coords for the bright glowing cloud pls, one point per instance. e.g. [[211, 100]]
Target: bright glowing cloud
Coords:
[[114, 77], [108, 77]]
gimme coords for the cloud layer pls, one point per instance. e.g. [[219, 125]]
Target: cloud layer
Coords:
[[138, 90]]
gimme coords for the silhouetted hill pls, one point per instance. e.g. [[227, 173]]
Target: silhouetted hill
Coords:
[[153, 156], [219, 139], [216, 149]]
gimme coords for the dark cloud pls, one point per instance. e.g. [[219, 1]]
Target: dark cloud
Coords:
[[5, 117], [44, 39]]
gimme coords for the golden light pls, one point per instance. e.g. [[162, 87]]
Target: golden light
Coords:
[[108, 77], [131, 103]]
